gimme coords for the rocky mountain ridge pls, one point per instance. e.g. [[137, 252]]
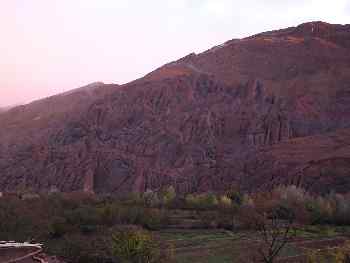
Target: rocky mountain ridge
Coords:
[[255, 112]]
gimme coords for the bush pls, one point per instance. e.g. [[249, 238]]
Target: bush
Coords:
[[209, 219], [342, 209], [247, 201], [225, 202], [168, 195], [78, 249], [130, 215], [247, 217], [235, 196], [58, 227], [153, 219], [83, 215], [9, 219], [109, 214], [202, 201], [151, 198], [210, 200], [284, 211], [133, 198], [190, 200], [291, 194], [134, 245], [321, 211], [336, 255]]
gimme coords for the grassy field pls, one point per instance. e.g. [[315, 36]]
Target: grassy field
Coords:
[[219, 246], [201, 245]]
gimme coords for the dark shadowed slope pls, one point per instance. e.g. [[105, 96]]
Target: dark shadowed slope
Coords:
[[271, 108]]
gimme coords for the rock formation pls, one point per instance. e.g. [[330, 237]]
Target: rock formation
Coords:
[[269, 109]]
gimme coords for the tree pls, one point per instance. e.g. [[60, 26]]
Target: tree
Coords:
[[274, 235]]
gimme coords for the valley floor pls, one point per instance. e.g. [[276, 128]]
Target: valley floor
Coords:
[[209, 246]]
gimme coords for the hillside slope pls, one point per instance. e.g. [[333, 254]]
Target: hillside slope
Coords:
[[268, 109]]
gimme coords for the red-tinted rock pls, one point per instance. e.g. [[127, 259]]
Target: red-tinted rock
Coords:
[[272, 108]]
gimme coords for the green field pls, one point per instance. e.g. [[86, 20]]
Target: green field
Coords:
[[219, 246]]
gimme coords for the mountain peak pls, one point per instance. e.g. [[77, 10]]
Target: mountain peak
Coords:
[[317, 29]]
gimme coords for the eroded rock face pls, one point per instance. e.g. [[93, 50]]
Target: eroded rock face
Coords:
[[272, 108]]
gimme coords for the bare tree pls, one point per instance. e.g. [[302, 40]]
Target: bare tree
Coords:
[[274, 235]]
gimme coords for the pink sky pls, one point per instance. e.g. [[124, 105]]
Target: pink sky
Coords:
[[50, 46]]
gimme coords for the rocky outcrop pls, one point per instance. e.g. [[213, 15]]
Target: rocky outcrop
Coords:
[[264, 110]]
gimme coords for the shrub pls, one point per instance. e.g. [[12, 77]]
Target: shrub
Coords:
[[225, 202], [151, 198], [336, 255], [130, 215], [210, 200], [109, 214], [78, 249], [168, 195], [153, 219], [284, 211], [209, 219], [235, 196], [8, 217], [247, 217], [342, 209], [134, 245], [291, 194], [202, 201], [58, 227], [321, 210], [247, 201], [191, 200], [133, 198]]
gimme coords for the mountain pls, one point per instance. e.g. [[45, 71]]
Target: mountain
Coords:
[[273, 108], [6, 108]]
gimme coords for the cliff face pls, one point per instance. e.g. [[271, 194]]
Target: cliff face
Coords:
[[272, 108]]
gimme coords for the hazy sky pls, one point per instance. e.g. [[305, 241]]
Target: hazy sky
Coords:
[[49, 46]]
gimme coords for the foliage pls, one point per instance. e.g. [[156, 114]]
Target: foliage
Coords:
[[151, 198], [75, 248], [83, 215], [134, 245], [202, 201], [58, 227], [57, 218], [236, 196], [109, 214], [154, 219], [336, 255], [133, 198], [168, 195], [291, 194], [225, 202], [210, 219]]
